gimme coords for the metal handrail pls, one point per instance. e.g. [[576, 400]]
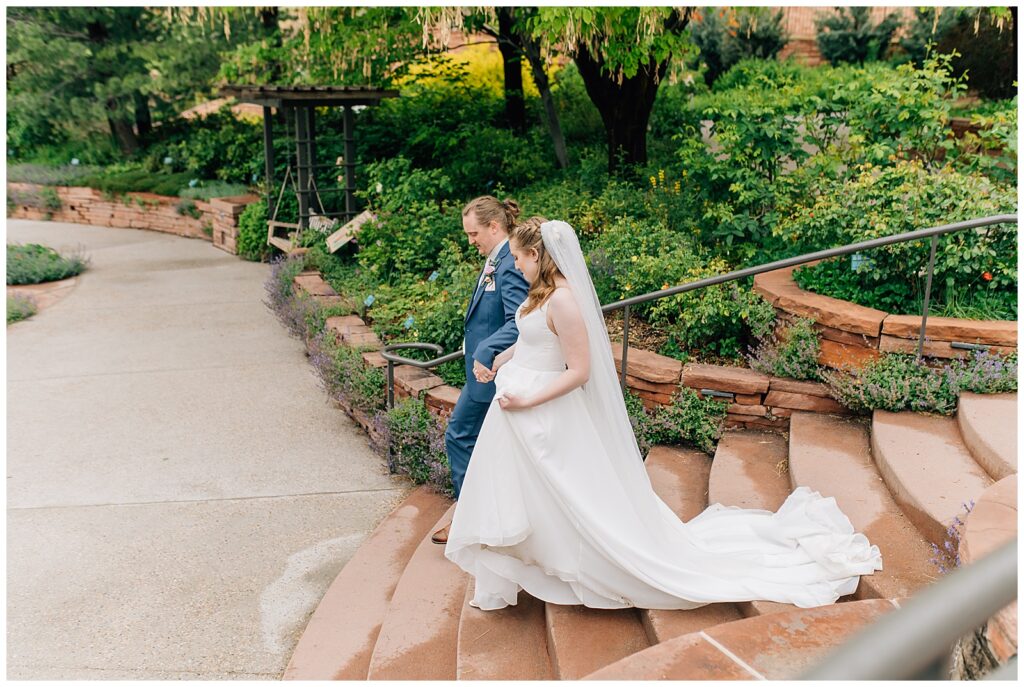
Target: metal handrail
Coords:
[[914, 642], [626, 304]]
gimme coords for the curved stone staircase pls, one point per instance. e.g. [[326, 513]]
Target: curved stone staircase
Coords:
[[399, 610]]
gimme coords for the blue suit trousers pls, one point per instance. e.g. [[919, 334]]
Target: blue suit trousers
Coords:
[[463, 429]]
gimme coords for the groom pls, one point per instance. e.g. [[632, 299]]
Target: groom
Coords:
[[490, 328]]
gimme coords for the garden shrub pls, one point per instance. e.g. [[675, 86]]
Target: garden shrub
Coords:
[[252, 232], [413, 441], [413, 220], [632, 258], [688, 419], [897, 381], [33, 264], [791, 353], [880, 202]]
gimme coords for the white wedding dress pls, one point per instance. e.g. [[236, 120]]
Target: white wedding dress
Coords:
[[556, 501]]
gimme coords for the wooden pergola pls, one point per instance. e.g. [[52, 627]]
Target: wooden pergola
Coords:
[[299, 103]]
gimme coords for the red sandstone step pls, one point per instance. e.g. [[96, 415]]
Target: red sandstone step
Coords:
[[508, 644], [582, 640], [832, 455], [772, 647], [927, 468], [749, 471], [680, 477], [988, 424], [990, 525], [419, 636], [339, 638]]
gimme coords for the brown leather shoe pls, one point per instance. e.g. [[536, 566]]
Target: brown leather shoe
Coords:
[[441, 536]]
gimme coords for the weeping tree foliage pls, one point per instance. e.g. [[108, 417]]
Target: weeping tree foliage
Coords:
[[351, 46], [510, 28], [622, 53]]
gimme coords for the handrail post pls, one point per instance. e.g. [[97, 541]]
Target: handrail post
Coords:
[[927, 295], [625, 348], [391, 385]]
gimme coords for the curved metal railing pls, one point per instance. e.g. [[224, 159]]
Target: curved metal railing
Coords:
[[932, 232]]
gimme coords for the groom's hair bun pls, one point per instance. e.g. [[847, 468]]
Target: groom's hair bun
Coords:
[[489, 209]]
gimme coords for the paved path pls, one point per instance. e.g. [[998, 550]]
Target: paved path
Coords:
[[180, 493]]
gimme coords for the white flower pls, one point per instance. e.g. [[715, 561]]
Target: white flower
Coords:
[[168, 160], [74, 160], [380, 187]]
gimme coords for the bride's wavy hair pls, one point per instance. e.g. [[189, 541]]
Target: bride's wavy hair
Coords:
[[526, 236]]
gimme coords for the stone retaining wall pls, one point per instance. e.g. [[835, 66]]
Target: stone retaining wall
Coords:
[[754, 400], [218, 220], [853, 334]]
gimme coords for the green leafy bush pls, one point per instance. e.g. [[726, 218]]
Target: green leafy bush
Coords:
[[882, 202], [19, 308], [413, 220], [252, 232], [792, 353], [33, 264], [849, 35], [688, 420], [632, 258]]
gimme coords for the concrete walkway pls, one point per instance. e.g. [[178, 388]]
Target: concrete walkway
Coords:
[[180, 493]]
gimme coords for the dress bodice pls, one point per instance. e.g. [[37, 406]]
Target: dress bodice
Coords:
[[537, 347]]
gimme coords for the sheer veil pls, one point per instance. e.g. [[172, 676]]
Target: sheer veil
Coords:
[[602, 392]]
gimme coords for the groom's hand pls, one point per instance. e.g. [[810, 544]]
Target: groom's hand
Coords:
[[482, 374]]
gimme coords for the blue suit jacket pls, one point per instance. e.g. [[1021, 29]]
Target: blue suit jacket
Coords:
[[491, 321]]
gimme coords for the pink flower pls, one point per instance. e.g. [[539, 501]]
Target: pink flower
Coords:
[[489, 269]]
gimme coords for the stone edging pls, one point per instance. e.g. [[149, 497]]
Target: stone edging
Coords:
[[218, 221], [854, 334], [756, 400]]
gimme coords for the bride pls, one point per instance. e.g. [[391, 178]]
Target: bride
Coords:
[[556, 499]]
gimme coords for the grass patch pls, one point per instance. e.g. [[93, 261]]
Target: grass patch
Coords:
[[20, 308]]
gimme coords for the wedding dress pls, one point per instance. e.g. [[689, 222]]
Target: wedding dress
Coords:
[[556, 500]]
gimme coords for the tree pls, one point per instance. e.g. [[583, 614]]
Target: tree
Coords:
[[850, 36], [622, 54]]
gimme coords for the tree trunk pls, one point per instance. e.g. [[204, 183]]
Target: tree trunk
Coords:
[[143, 117], [531, 48], [121, 128], [511, 57], [625, 106]]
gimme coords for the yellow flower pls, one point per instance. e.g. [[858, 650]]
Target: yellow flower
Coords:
[[628, 287], [665, 285], [654, 183], [676, 188], [661, 175], [633, 259]]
